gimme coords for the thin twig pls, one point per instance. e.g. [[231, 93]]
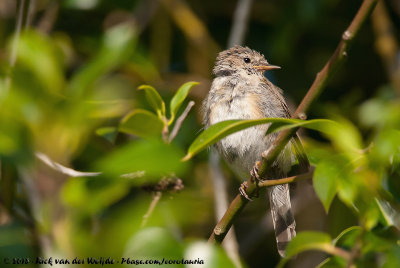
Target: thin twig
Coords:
[[195, 31], [221, 204], [386, 44], [300, 177], [283, 138], [179, 121], [30, 13], [240, 22], [63, 169], [75, 173], [46, 23], [153, 204]]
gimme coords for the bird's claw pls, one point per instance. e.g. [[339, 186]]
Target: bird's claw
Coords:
[[255, 177], [242, 191], [254, 171]]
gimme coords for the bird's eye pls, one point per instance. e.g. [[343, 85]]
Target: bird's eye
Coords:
[[246, 60]]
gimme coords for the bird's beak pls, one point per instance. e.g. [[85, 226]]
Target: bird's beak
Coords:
[[266, 67]]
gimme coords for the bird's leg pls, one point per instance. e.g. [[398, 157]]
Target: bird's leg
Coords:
[[242, 191], [254, 172], [255, 177]]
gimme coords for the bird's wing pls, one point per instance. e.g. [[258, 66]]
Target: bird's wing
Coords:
[[300, 153]]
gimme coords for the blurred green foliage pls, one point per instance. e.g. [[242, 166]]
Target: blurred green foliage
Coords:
[[71, 95]]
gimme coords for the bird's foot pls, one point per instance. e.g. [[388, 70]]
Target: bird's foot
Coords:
[[254, 172], [242, 191], [255, 177]]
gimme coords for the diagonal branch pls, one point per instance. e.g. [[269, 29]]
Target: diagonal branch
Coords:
[[283, 138]]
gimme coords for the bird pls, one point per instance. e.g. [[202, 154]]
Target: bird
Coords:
[[240, 90]]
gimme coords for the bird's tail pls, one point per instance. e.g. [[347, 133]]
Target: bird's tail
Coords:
[[282, 216]]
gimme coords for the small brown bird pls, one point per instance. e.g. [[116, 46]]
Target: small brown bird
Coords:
[[240, 91]]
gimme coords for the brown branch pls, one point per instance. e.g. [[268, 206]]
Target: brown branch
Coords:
[[283, 138], [46, 23], [221, 203], [386, 44], [300, 177], [153, 204]]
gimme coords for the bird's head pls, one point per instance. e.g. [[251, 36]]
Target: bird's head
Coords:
[[241, 59]]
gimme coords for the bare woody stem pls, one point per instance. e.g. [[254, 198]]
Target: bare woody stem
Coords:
[[179, 121], [301, 177], [153, 204], [283, 138]]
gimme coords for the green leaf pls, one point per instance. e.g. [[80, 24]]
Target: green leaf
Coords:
[[154, 99], [141, 123], [117, 45], [178, 99], [392, 258], [332, 262], [348, 236], [306, 241], [222, 129], [322, 125], [325, 181], [152, 158], [154, 243], [109, 133], [77, 191], [38, 54], [346, 138], [389, 213]]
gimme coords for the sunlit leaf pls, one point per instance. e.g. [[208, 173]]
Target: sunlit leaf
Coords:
[[346, 138], [141, 123], [37, 53], [154, 99], [108, 109], [109, 133], [152, 157], [322, 125], [306, 241], [222, 129], [348, 236], [325, 181], [118, 43], [178, 99]]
